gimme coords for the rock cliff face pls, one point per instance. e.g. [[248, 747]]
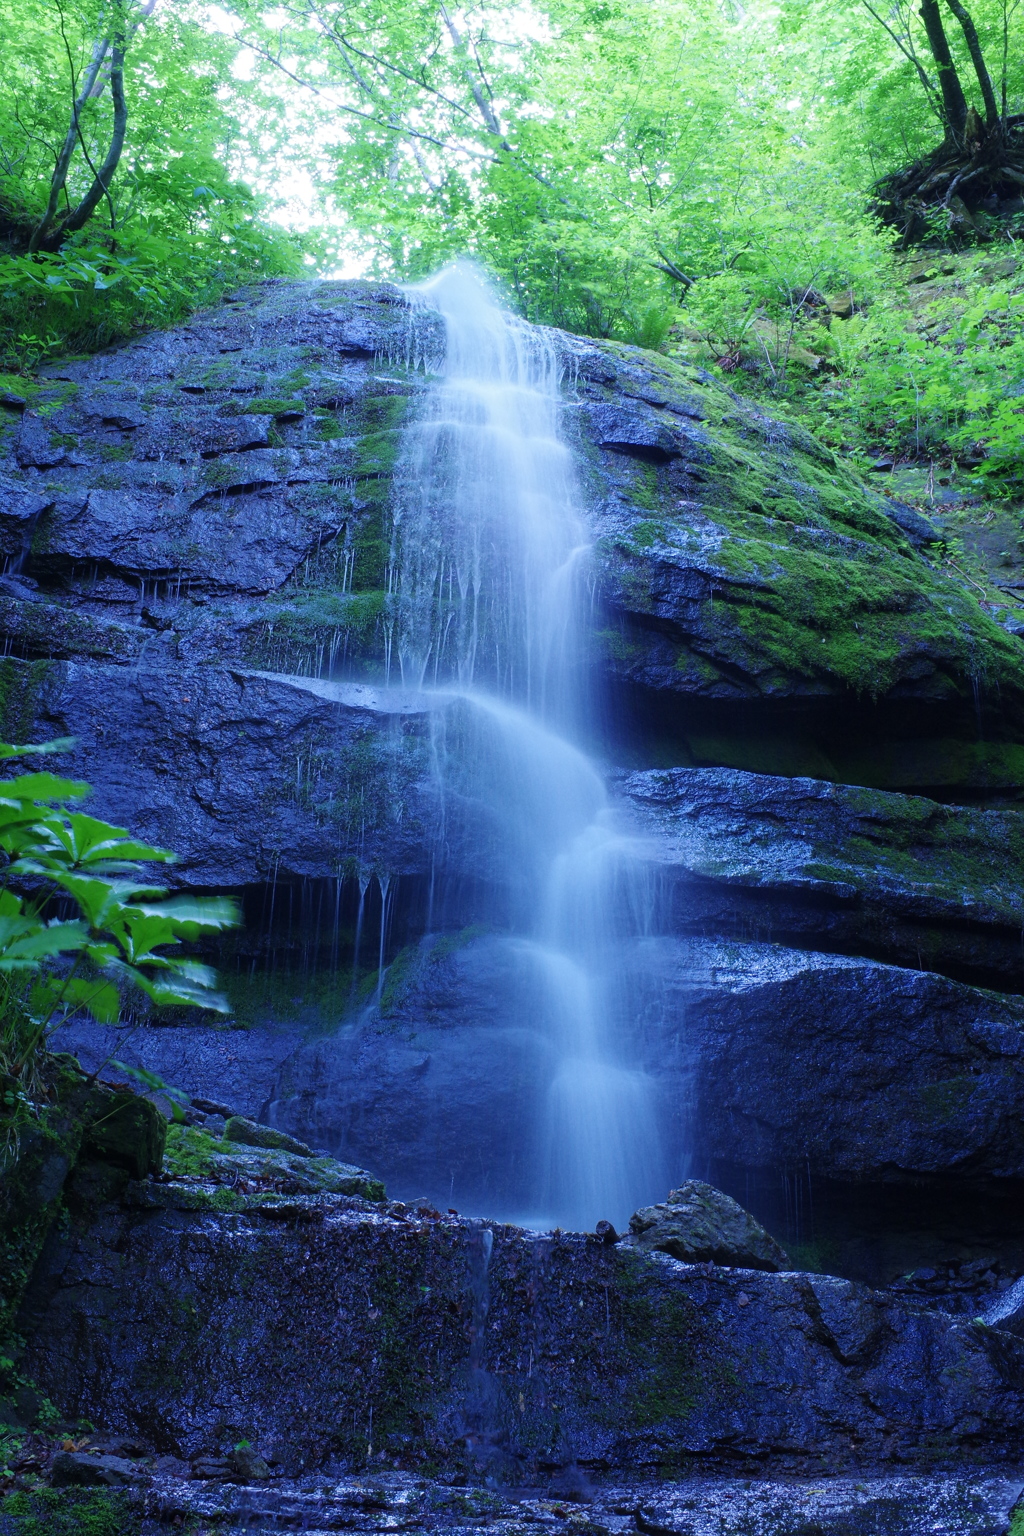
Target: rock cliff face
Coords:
[[318, 1327], [816, 728]]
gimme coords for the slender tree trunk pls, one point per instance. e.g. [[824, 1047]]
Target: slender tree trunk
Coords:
[[105, 175], [60, 170], [970, 32], [954, 102]]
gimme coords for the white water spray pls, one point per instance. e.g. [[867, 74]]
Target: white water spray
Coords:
[[490, 554]]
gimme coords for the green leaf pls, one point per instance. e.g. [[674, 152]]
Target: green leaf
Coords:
[[152, 1080], [24, 942], [43, 787], [62, 744], [197, 913]]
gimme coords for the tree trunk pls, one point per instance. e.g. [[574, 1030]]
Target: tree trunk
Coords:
[[60, 171], [954, 102], [970, 32], [105, 175], [977, 162]]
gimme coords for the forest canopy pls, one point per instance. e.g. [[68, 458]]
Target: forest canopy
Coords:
[[672, 173]]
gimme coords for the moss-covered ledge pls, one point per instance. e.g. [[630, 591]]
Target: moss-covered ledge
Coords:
[[742, 560]]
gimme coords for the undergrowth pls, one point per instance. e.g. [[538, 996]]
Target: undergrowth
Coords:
[[927, 365]]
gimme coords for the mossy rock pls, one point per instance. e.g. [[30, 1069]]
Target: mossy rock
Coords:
[[74, 1120], [193, 1154], [125, 1130], [747, 562], [68, 1512]]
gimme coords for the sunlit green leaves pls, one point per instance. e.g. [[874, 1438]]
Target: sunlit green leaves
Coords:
[[128, 933], [153, 247]]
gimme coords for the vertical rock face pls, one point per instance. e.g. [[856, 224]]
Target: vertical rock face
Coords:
[[215, 500], [198, 536], [316, 1327]]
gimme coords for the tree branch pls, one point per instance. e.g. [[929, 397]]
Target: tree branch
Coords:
[[908, 53], [668, 266], [484, 107], [369, 117]]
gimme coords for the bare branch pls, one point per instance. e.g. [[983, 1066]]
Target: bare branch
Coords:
[[484, 107], [370, 117]]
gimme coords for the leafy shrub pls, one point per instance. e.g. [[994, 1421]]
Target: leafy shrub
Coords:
[[126, 932], [940, 375]]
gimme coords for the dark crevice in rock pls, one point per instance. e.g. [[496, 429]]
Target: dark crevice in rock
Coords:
[[647, 453], [914, 746], [951, 1244]]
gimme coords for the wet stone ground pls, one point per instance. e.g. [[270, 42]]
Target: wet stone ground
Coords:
[[941, 1505]]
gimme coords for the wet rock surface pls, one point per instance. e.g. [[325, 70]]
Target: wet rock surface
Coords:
[[197, 535], [929, 885], [233, 1065], [698, 1224], [916, 1077], [700, 1507], [270, 1164], [245, 775], [208, 1498], [915, 1084], [195, 1316]]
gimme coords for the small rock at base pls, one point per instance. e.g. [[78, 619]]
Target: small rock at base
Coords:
[[73, 1469], [247, 1463], [211, 1107]]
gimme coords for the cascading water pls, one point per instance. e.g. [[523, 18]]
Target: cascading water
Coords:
[[490, 557]]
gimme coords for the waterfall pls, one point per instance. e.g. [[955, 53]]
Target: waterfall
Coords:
[[490, 551]]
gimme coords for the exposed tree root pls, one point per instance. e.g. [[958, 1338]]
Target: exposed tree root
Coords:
[[985, 174]]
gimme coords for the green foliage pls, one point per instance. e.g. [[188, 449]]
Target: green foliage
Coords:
[[935, 372], [176, 225], [126, 935]]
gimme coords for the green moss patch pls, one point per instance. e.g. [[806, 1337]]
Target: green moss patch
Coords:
[[250, 1178], [805, 578], [69, 1512], [274, 405]]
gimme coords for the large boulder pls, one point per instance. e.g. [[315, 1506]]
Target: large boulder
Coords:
[[742, 562], [767, 1060], [698, 1224], [246, 776], [847, 1068], [98, 1134]]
